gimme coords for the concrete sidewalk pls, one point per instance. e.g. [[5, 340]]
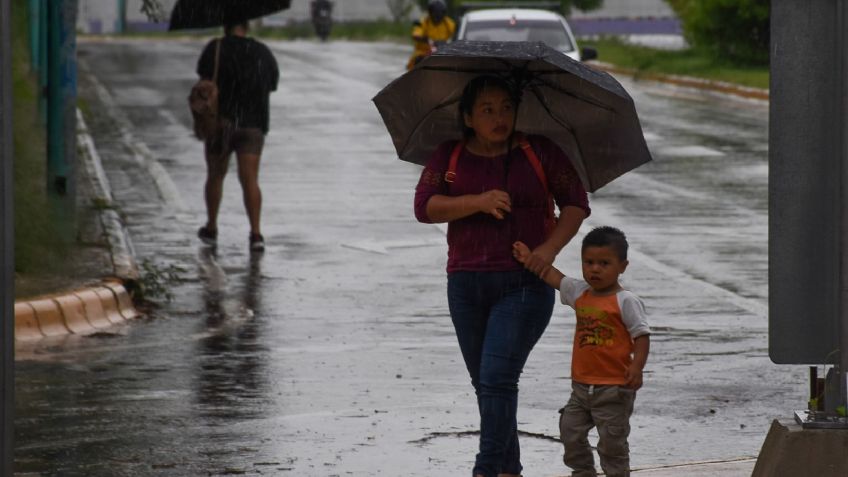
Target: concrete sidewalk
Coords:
[[736, 468]]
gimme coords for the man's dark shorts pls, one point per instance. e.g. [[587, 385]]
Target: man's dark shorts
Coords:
[[232, 139]]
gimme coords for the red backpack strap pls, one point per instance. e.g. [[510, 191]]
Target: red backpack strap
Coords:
[[534, 160], [550, 220], [450, 174]]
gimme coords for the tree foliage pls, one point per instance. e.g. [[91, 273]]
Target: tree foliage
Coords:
[[736, 30], [154, 10]]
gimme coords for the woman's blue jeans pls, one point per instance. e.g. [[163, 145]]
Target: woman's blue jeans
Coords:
[[498, 317]]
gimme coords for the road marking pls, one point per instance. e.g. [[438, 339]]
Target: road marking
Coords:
[[383, 247], [753, 306], [690, 151]]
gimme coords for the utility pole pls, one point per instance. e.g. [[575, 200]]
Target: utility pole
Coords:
[[808, 230], [61, 106], [808, 188], [122, 16], [7, 246]]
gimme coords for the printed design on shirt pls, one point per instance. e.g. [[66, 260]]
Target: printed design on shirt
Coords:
[[594, 328], [432, 178]]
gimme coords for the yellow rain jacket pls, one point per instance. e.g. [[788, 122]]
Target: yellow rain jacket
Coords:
[[443, 31]]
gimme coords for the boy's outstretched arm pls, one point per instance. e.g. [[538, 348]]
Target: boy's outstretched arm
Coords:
[[550, 275], [641, 347]]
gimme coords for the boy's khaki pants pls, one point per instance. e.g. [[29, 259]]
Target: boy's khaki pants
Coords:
[[608, 408]]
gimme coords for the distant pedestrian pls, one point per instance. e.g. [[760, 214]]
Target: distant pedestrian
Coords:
[[488, 189], [247, 73], [428, 33], [611, 345]]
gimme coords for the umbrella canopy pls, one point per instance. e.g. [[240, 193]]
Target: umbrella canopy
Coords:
[[189, 14], [585, 111]]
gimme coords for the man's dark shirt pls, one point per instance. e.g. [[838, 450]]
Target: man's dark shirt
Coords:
[[247, 73]]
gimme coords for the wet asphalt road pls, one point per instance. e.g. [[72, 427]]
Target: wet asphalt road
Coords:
[[333, 353]]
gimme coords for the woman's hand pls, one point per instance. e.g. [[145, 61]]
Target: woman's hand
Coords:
[[443, 208], [494, 202]]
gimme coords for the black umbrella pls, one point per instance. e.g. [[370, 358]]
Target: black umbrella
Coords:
[[585, 111], [189, 14]]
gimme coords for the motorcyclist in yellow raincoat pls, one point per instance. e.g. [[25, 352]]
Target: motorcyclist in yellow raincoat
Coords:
[[435, 27]]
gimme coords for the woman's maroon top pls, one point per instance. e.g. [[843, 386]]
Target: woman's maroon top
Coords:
[[481, 242]]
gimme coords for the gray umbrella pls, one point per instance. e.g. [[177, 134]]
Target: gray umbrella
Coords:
[[585, 111]]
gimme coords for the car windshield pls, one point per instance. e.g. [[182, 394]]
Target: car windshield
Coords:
[[551, 32]]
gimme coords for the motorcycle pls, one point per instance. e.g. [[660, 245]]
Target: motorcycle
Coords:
[[322, 20]]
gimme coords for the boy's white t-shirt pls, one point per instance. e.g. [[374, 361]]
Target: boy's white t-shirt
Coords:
[[633, 313]]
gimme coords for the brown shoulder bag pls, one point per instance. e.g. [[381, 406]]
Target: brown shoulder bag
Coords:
[[203, 102]]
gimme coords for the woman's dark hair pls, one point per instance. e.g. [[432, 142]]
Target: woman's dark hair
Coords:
[[472, 91]]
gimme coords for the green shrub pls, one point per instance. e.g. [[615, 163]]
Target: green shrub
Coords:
[[38, 242], [735, 30]]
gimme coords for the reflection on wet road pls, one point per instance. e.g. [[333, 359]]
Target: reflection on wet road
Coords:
[[332, 353]]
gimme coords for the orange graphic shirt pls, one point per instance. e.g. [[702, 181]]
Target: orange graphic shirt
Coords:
[[606, 327]]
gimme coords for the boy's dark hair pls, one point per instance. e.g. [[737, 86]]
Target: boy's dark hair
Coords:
[[607, 236]]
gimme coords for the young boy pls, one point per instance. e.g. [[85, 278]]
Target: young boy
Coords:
[[610, 350]]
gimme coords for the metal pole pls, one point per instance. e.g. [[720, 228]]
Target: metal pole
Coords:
[[61, 116], [43, 68], [34, 35], [56, 176], [841, 68], [122, 16], [7, 246]]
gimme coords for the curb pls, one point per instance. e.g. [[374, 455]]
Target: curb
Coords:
[[720, 87], [89, 310], [81, 312], [120, 246]]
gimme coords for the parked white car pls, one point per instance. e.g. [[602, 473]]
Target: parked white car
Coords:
[[522, 24]]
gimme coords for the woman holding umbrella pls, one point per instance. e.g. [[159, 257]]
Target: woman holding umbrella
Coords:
[[489, 191]]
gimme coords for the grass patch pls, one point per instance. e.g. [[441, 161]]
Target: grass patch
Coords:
[[41, 247], [689, 62]]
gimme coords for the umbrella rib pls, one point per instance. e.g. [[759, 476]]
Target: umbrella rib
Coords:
[[418, 126], [564, 124], [591, 101], [544, 104]]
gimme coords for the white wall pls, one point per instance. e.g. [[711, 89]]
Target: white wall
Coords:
[[628, 9], [343, 10]]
